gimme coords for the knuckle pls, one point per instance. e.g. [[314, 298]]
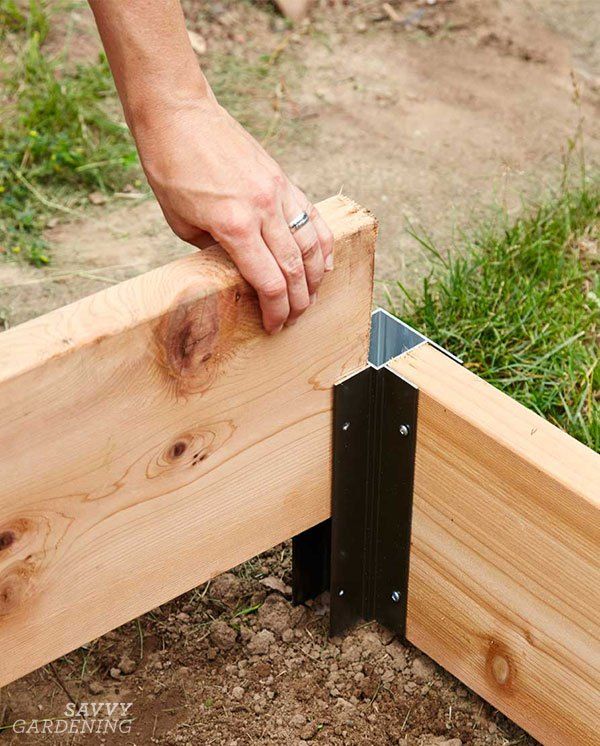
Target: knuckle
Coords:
[[293, 268], [313, 286], [279, 179], [302, 305], [233, 220], [264, 198], [272, 289], [237, 227], [311, 249]]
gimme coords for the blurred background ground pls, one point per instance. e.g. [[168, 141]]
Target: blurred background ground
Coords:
[[431, 120], [454, 110]]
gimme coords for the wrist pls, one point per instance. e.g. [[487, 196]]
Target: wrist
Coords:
[[148, 106]]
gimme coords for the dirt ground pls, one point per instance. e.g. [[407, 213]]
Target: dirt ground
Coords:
[[462, 105]]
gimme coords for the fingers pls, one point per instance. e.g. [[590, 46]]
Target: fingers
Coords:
[[307, 240], [258, 266], [284, 268], [321, 228], [325, 237], [279, 239], [303, 256]]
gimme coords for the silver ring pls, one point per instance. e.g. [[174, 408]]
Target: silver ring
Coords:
[[298, 222]]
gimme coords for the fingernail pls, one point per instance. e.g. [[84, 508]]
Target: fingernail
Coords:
[[277, 329], [313, 299], [329, 263], [290, 322]]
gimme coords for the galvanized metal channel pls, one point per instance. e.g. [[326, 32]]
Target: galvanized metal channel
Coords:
[[362, 553]]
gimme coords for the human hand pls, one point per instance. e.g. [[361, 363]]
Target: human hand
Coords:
[[212, 179]]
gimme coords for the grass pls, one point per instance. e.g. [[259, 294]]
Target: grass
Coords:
[[57, 139], [248, 89], [519, 302], [14, 18]]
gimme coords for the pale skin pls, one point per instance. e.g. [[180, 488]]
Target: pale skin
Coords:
[[213, 180]]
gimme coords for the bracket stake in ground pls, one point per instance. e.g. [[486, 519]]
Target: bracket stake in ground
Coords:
[[367, 540]]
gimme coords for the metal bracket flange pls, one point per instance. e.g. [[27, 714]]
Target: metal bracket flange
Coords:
[[362, 553], [375, 422]]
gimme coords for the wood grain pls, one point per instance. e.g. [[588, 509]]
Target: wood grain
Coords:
[[504, 586], [152, 436]]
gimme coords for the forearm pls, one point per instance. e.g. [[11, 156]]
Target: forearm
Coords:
[[150, 55], [211, 178]]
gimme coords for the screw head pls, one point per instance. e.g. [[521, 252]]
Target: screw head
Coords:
[[341, 592], [395, 596], [404, 430], [346, 426]]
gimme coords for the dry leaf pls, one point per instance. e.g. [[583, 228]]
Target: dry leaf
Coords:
[[275, 584]]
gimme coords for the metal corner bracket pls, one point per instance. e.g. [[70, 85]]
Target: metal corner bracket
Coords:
[[362, 553]]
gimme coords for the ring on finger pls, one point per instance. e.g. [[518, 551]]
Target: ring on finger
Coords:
[[298, 222]]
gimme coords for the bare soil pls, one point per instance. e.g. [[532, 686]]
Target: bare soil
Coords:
[[233, 662], [432, 120]]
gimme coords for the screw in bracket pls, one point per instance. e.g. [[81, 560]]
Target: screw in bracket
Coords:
[[395, 596], [341, 592], [346, 426], [404, 430]]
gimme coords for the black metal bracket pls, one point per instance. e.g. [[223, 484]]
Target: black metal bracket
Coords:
[[362, 554], [375, 421]]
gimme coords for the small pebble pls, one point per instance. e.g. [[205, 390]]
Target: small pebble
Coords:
[[298, 720], [126, 665]]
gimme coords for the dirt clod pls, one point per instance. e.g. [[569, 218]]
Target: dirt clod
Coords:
[[238, 693], [226, 588], [246, 634], [298, 720], [96, 687], [274, 614], [309, 731], [127, 665], [423, 668], [371, 645], [397, 654], [287, 635], [222, 636], [260, 642]]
